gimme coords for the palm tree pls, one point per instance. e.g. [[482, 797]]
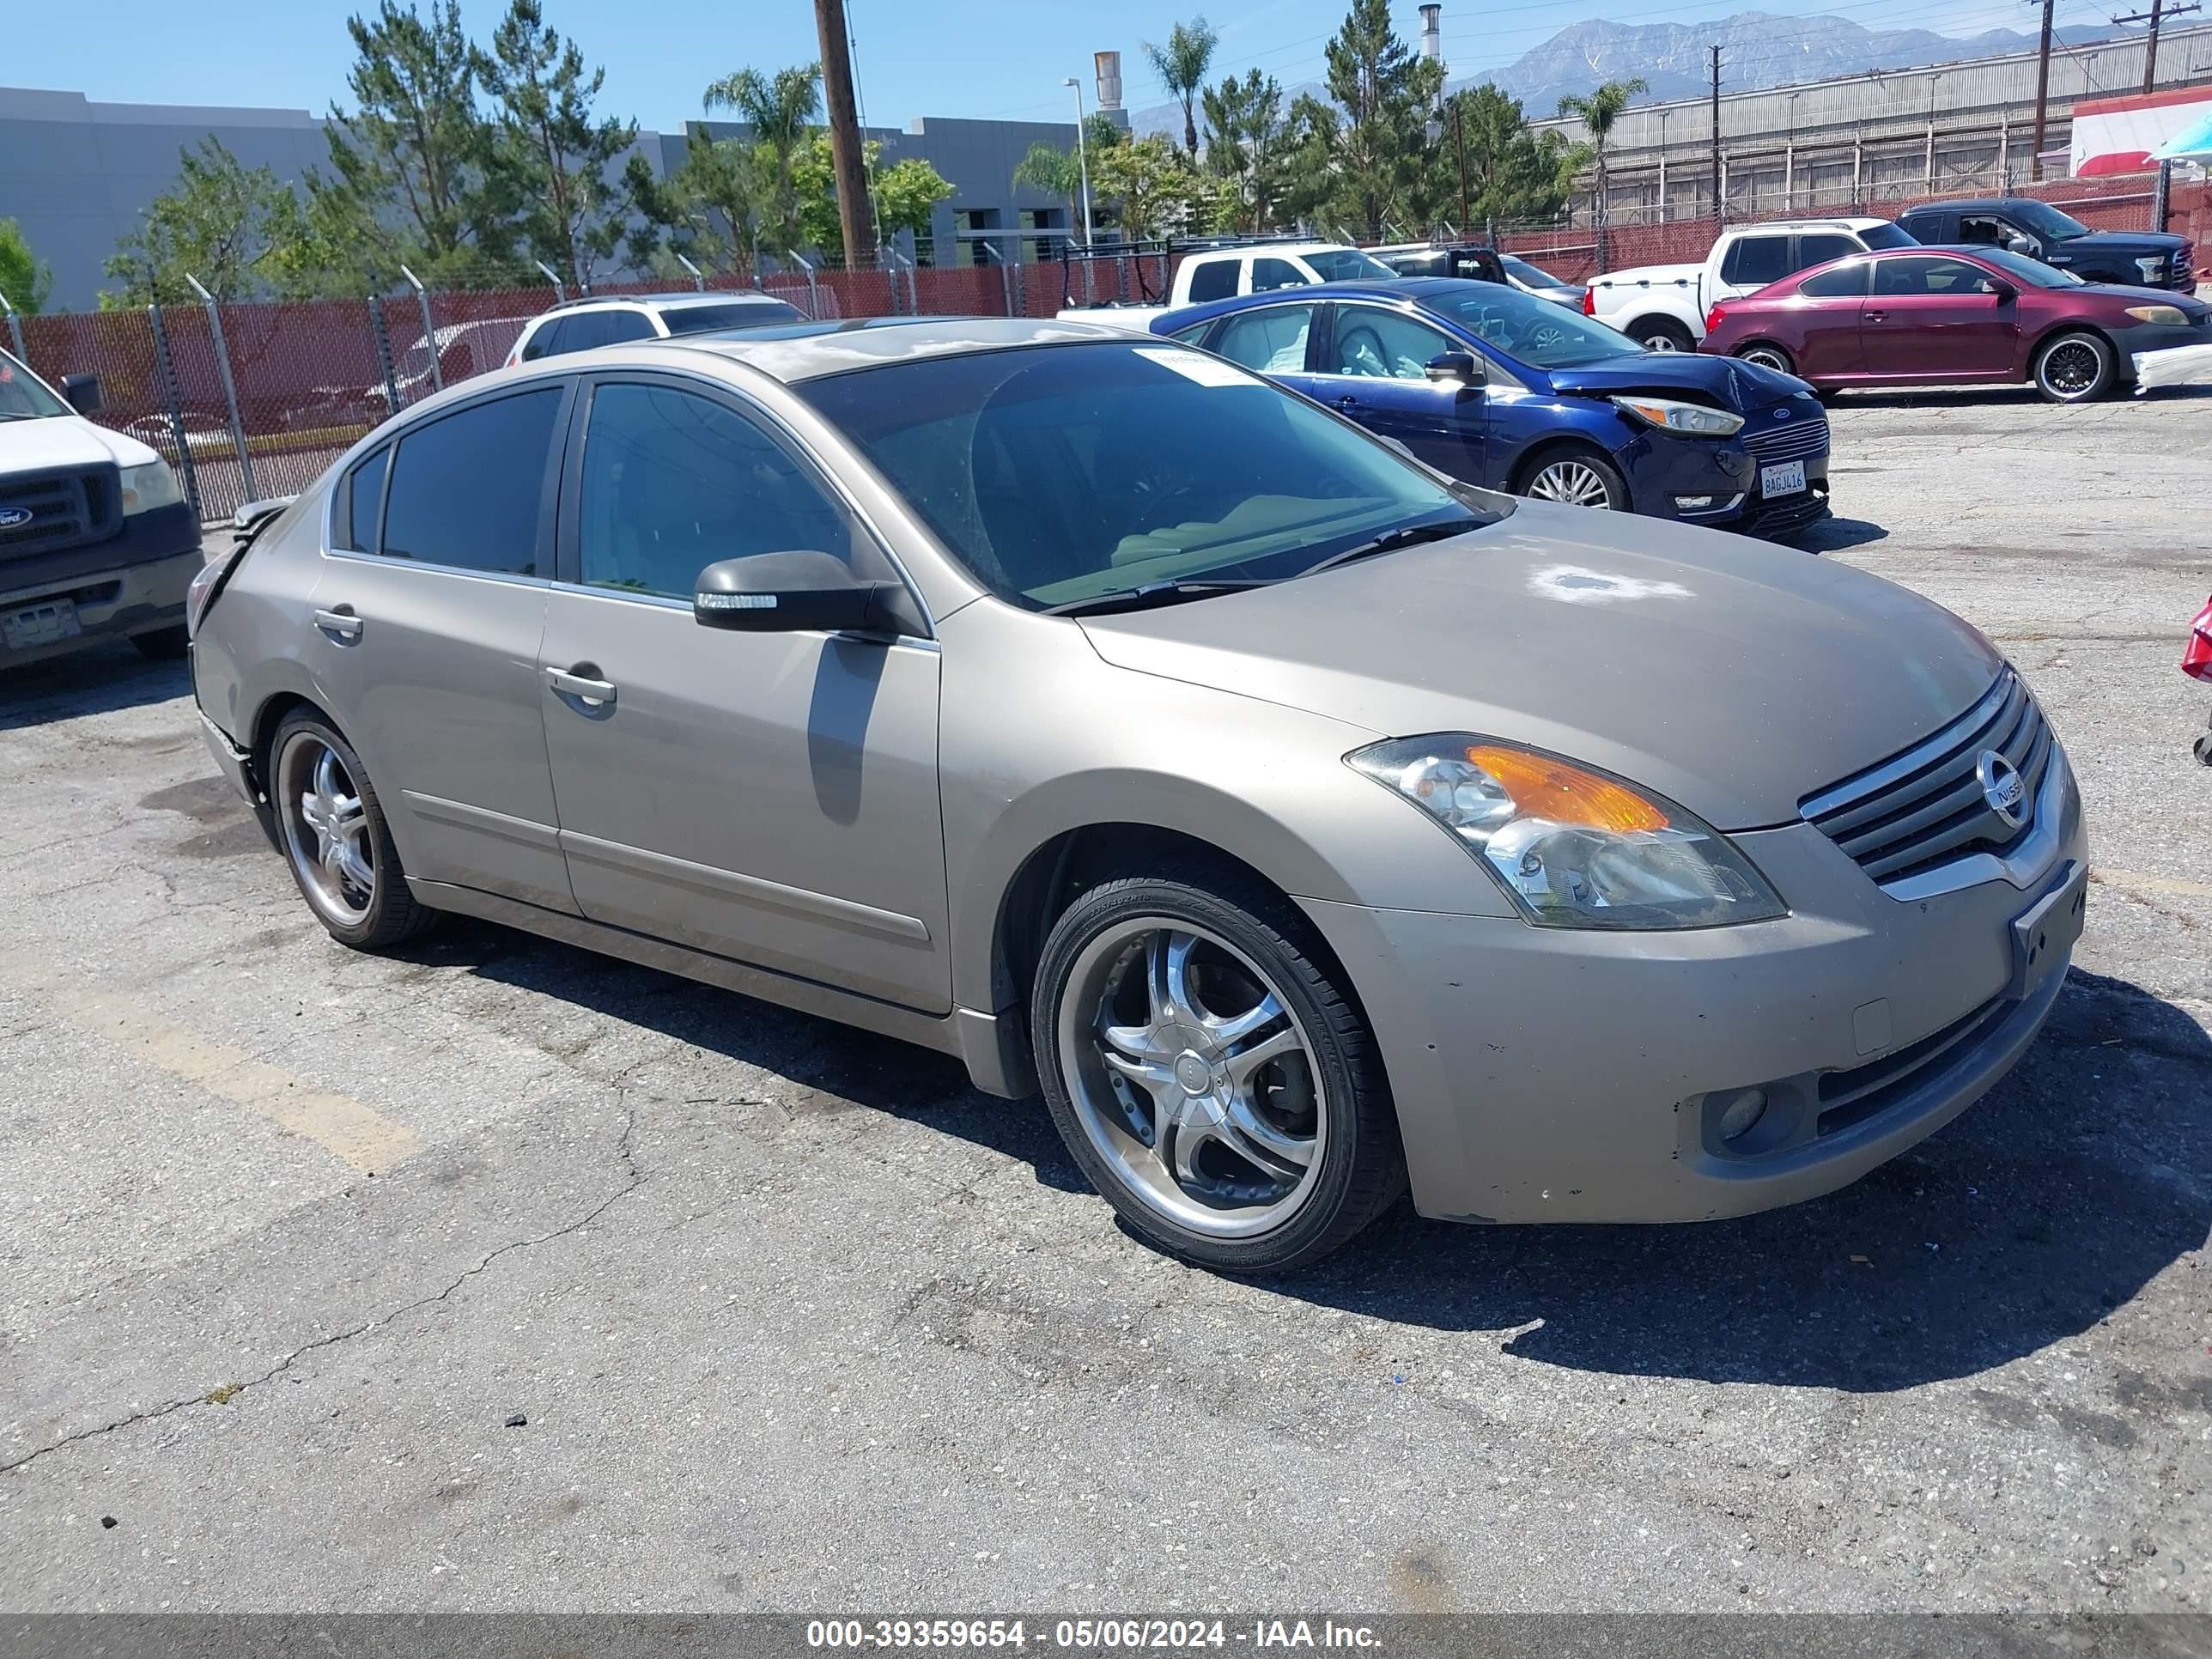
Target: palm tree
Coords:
[[780, 111], [1181, 65], [1598, 112]]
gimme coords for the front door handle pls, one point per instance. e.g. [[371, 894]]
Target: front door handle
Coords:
[[1877, 316], [582, 686], [340, 624], [1348, 401]]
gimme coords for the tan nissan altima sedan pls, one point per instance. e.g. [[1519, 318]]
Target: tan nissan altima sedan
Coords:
[[1303, 825]]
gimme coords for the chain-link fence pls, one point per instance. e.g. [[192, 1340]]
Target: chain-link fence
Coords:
[[249, 400]]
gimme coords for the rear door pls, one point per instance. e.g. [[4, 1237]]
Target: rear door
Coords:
[[1373, 366], [427, 618], [1932, 318], [1273, 340]]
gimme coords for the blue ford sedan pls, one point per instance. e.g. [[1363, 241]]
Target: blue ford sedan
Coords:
[[1502, 389]]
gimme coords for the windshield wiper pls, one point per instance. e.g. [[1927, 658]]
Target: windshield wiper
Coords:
[[1151, 593], [1391, 541]]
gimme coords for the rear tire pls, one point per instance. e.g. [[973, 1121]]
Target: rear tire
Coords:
[[1151, 993], [2203, 749], [2076, 367], [1576, 475], [1660, 334], [1767, 355], [332, 832], [163, 644]]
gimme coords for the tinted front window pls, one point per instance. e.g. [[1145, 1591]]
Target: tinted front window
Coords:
[[1880, 236], [750, 314], [1384, 344], [2045, 221], [465, 488], [1270, 274], [1523, 326], [1928, 277], [364, 497], [1059, 473], [22, 397], [673, 482], [1346, 265], [1213, 279], [1272, 339], [1755, 261], [1845, 282]]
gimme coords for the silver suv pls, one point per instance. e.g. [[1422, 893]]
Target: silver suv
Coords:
[[1081, 704], [611, 319]]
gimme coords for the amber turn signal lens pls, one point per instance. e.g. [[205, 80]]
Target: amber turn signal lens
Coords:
[[1545, 788]]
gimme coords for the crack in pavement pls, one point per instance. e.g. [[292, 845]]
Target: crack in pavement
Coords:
[[635, 1179]]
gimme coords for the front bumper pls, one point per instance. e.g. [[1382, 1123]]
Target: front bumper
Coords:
[[131, 583], [1669, 474], [1557, 1075]]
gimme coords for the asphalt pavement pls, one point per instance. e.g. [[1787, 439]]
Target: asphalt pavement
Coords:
[[495, 1275]]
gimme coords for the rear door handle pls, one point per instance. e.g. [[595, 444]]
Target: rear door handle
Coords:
[[582, 687], [340, 624]]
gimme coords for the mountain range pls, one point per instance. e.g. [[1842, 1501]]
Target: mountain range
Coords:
[[1758, 49]]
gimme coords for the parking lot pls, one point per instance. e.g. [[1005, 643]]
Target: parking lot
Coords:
[[495, 1274]]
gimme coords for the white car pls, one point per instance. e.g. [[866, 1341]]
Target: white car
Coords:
[[96, 538], [1225, 273], [1663, 307], [580, 324]]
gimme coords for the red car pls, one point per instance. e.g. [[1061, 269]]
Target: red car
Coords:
[[1945, 316]]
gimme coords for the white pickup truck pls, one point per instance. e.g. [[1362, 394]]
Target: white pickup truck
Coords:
[[1663, 307], [1225, 273]]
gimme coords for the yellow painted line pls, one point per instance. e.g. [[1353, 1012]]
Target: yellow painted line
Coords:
[[2144, 883], [360, 1135]]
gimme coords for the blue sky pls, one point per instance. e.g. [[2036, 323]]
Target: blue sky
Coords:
[[964, 58]]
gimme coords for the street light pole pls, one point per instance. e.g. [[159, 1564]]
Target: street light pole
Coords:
[[1081, 156]]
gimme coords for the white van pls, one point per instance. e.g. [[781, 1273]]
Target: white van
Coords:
[[96, 538]]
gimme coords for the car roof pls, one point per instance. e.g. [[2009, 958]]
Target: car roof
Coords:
[[671, 301], [1844, 220], [808, 351], [1967, 202]]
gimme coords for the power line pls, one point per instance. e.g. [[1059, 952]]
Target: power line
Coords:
[[2158, 9]]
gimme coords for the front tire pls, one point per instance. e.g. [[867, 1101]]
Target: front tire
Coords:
[[2076, 367], [1662, 334], [1577, 478], [1210, 1074], [333, 831]]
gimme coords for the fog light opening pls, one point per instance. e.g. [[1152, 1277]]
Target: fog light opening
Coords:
[[1692, 504], [1740, 1114]]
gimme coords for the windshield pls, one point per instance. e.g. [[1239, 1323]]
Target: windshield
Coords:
[[22, 398], [1344, 264], [2033, 272], [1530, 274], [1533, 330], [738, 313], [1881, 236], [2047, 222], [1062, 473]]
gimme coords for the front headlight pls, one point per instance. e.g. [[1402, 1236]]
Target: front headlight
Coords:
[[145, 488], [2165, 316], [1573, 847], [2153, 268], [1675, 416]]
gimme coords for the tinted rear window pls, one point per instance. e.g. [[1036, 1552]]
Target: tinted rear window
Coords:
[[465, 488], [747, 313]]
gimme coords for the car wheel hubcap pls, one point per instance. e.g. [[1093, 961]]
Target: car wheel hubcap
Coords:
[[1659, 343], [2071, 369], [1191, 1077], [1575, 483], [1765, 360], [326, 830]]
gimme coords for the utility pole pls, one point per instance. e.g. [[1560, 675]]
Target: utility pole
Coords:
[[2159, 10], [1720, 208], [2042, 95], [1459, 143], [853, 215]]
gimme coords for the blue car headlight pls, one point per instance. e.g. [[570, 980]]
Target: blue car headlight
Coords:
[[1670, 415]]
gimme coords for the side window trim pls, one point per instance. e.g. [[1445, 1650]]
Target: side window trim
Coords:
[[567, 557], [548, 499]]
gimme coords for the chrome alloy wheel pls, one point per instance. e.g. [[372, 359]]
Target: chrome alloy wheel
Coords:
[[326, 830], [1576, 483], [1767, 357], [1191, 1077]]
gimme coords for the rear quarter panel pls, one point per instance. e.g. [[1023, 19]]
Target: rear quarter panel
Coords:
[[250, 647]]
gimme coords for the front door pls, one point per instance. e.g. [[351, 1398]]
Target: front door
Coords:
[[769, 797], [1821, 332], [427, 614], [1374, 367], [1935, 319]]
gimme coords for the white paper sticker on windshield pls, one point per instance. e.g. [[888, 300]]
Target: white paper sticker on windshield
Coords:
[[1195, 366]]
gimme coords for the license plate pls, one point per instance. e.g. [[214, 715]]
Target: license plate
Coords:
[[39, 624], [2042, 934], [1786, 480]]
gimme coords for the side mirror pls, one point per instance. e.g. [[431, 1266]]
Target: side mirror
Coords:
[[83, 394], [1462, 367], [792, 592], [2027, 245], [2005, 291]]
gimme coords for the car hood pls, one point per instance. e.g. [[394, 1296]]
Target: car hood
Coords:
[[2127, 294], [1734, 385], [2122, 241], [65, 440], [1733, 677]]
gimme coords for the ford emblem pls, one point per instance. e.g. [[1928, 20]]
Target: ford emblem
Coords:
[[2003, 786], [12, 516], [1781, 414]]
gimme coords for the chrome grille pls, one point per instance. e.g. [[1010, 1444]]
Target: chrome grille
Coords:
[[1925, 808], [1798, 439]]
